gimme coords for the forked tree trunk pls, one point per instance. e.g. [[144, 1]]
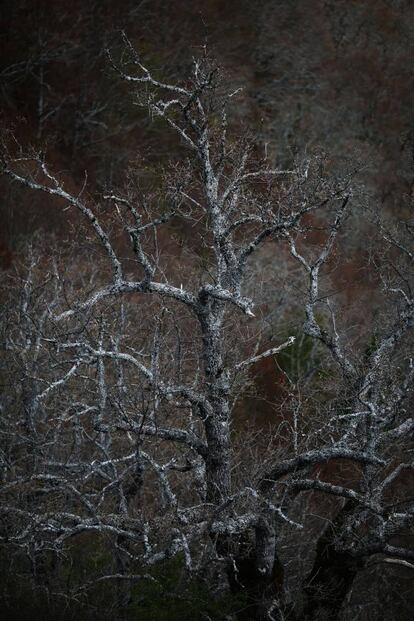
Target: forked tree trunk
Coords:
[[332, 575]]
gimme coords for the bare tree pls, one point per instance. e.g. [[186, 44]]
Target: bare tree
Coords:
[[128, 371]]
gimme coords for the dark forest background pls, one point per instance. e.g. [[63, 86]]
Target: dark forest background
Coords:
[[333, 76]]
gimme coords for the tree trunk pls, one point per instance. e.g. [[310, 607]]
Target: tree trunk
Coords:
[[332, 575]]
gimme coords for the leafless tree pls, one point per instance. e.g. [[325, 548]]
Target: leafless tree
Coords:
[[125, 372]]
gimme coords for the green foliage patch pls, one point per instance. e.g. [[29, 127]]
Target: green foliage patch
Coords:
[[173, 595]]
